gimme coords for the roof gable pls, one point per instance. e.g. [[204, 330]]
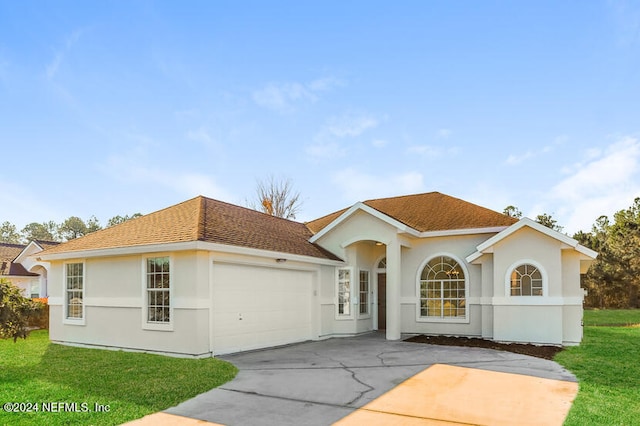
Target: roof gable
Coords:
[[424, 213], [365, 208], [567, 242], [202, 219], [8, 254]]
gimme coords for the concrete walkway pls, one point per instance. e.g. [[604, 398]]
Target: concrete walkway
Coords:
[[320, 383]]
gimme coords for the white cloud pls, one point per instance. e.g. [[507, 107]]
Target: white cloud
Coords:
[[200, 135], [23, 206], [425, 150], [379, 143], [52, 67], [328, 142], [133, 167], [325, 150], [325, 84], [429, 151], [607, 181], [358, 186], [350, 125], [443, 133], [513, 159], [282, 97]]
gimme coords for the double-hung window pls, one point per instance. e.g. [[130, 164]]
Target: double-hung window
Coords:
[[364, 293], [158, 290], [74, 291], [344, 292]]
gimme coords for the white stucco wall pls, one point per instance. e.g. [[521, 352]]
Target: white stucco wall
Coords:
[[491, 311], [114, 291], [355, 238], [413, 259], [552, 318], [113, 299], [26, 284]]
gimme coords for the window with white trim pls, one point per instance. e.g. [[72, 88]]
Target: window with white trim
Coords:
[[74, 285], [364, 293], [442, 289], [526, 280], [35, 289], [344, 292], [158, 290]]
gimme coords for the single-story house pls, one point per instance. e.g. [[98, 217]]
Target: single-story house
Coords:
[[204, 277], [26, 274]]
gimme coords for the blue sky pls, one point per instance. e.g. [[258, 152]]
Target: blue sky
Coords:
[[119, 107]]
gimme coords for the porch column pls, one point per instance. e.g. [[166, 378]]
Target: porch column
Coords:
[[394, 275]]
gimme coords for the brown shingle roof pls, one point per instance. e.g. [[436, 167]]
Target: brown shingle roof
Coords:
[[8, 252], [203, 219], [431, 211]]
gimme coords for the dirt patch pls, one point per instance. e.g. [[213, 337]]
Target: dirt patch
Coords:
[[540, 351]]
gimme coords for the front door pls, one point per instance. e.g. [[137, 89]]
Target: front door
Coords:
[[382, 301]]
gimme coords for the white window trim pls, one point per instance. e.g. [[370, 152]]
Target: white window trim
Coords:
[[543, 272], [377, 262], [65, 304], [458, 320], [340, 316], [145, 302], [369, 295]]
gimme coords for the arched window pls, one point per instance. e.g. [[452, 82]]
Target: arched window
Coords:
[[383, 263], [443, 289], [526, 280]]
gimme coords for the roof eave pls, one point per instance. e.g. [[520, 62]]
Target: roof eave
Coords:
[[184, 246], [463, 231]]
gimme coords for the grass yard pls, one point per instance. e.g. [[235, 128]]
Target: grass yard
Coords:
[[607, 365], [131, 385], [614, 317]]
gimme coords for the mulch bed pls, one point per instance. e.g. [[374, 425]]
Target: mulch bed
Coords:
[[540, 351]]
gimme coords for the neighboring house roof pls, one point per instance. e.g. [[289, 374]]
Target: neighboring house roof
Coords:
[[8, 253], [431, 211], [203, 219]]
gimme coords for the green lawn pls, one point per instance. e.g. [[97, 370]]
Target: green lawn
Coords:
[[131, 385], [607, 364], [611, 317]]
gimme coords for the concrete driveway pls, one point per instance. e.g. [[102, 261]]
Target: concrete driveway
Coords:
[[319, 383]]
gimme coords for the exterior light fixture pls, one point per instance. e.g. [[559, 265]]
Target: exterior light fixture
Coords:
[[281, 260]]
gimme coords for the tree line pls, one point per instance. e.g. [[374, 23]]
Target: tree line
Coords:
[[71, 228], [613, 280]]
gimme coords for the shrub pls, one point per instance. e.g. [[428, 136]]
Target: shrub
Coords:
[[16, 311]]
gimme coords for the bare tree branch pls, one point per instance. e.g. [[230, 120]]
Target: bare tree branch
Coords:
[[276, 197]]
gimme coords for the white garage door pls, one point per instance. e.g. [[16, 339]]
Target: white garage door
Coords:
[[258, 307]]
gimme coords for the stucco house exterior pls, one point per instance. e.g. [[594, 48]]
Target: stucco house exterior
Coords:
[[204, 277], [26, 274]]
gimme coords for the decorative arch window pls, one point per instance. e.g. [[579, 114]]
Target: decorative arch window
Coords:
[[443, 289], [526, 280], [383, 263]]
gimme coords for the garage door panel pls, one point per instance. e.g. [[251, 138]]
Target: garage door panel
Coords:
[[256, 307]]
